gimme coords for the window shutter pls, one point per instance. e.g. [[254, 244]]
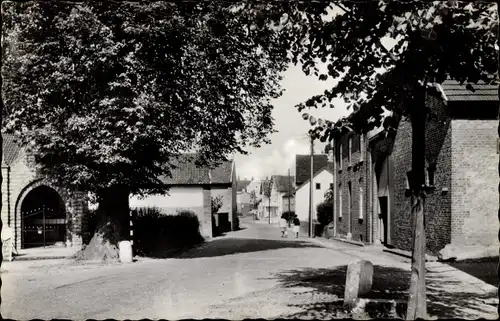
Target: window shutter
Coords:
[[340, 156], [361, 147], [340, 200], [361, 203]]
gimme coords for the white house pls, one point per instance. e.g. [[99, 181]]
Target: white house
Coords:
[[191, 188], [322, 181], [269, 202]]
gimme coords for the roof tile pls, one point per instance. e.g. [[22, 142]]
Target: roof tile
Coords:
[[303, 166], [10, 149], [187, 173]]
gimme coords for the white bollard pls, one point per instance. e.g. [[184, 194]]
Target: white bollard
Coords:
[[125, 249]]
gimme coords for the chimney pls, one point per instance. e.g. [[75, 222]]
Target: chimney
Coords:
[[330, 155]]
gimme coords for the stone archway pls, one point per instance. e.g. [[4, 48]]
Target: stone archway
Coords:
[[43, 217]]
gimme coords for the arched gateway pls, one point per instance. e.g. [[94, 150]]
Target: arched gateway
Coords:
[[43, 218]]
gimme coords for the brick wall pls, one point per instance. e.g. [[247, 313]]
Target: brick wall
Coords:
[[206, 220], [437, 205], [355, 174], [474, 186], [23, 180], [5, 197]]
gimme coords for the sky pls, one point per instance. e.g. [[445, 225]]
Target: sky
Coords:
[[290, 139], [291, 136]]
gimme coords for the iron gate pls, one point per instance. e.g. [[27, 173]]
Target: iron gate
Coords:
[[42, 227]]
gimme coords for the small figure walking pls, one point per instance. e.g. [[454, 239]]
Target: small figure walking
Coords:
[[283, 224], [296, 227]]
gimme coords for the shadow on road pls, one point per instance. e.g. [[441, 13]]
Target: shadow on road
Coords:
[[388, 283], [220, 247]]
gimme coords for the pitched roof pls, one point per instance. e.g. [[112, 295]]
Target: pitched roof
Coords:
[[242, 184], [222, 173], [187, 173], [303, 166], [281, 182], [329, 167], [453, 91], [326, 168], [10, 149], [265, 188]]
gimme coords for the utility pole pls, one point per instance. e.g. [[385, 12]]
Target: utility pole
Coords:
[[269, 189], [334, 187], [43, 221], [289, 198], [311, 206]]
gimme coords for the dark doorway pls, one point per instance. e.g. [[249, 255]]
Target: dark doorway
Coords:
[[383, 201], [43, 218], [350, 205], [224, 224]]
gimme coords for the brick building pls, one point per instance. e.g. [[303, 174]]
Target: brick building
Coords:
[[37, 212], [372, 197]]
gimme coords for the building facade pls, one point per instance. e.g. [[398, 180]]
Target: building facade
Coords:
[[37, 212], [372, 201], [322, 181], [192, 188]]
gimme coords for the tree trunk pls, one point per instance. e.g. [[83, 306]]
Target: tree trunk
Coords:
[[113, 226], [114, 212], [498, 130], [417, 305]]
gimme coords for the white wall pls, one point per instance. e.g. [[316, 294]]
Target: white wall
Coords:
[[302, 195], [191, 196], [242, 197], [226, 198]]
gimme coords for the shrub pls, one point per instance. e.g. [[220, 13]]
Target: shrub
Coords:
[[236, 223], [160, 235], [324, 213], [289, 216]]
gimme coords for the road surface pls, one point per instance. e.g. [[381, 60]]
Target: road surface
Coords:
[[251, 273]]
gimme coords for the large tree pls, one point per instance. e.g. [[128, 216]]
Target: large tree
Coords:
[[106, 95], [434, 41]]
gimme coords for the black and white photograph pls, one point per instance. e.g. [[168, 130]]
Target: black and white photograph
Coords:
[[288, 159]]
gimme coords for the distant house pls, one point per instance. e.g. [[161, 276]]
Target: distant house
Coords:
[[322, 181], [241, 185], [37, 212], [283, 187], [253, 189], [243, 202], [192, 188], [303, 167], [274, 195], [268, 206]]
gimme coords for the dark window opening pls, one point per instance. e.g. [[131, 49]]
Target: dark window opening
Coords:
[[318, 186], [430, 175]]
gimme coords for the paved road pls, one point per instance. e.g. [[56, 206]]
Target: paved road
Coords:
[[248, 273]]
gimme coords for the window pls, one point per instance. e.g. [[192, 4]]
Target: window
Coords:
[[350, 152], [340, 157], [340, 200], [318, 186], [349, 200], [429, 180], [331, 186], [361, 147]]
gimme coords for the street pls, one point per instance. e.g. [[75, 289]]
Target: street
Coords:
[[251, 273]]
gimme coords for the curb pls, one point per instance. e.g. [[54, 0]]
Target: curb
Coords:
[[407, 254], [348, 241], [40, 258], [325, 240]]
